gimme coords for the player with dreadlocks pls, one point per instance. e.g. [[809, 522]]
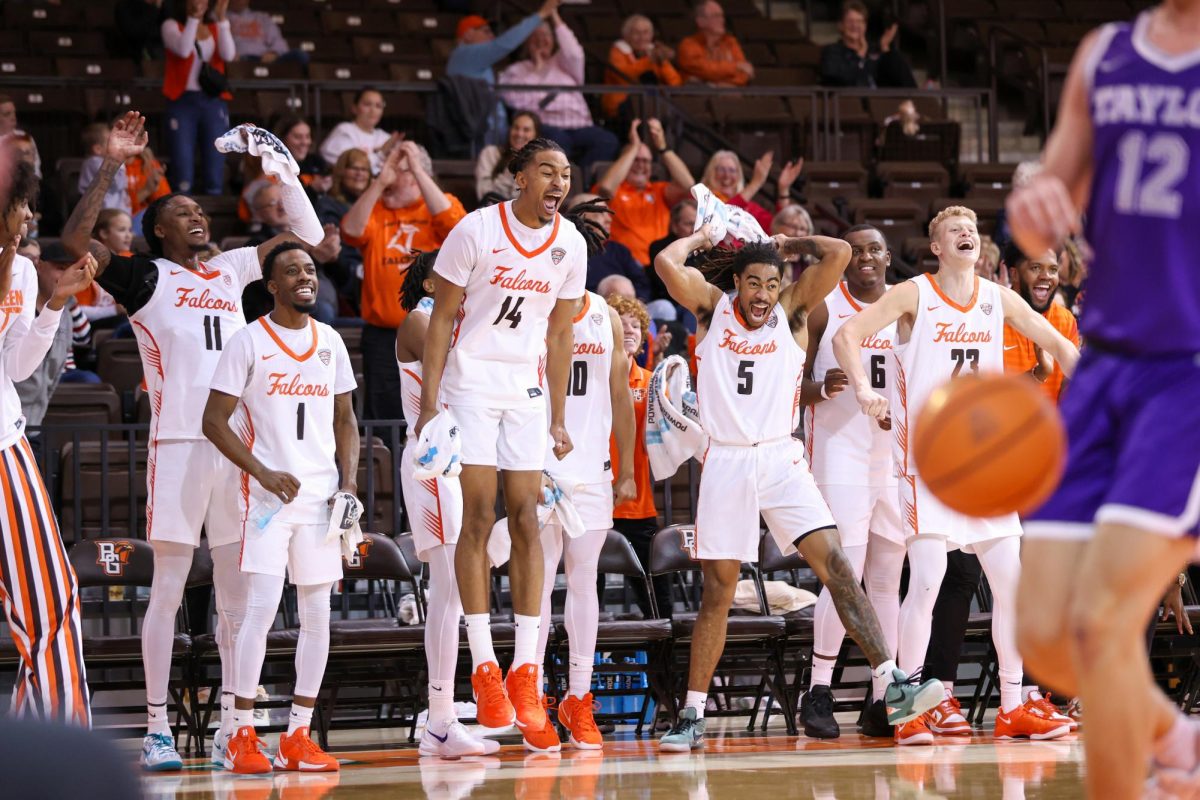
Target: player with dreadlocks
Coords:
[[748, 389], [507, 282]]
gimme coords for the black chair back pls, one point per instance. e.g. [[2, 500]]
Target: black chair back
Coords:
[[770, 559], [113, 562], [377, 557], [671, 550]]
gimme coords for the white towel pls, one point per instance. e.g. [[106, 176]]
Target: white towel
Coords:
[[553, 503], [673, 432], [723, 219], [345, 512], [277, 161], [439, 448]]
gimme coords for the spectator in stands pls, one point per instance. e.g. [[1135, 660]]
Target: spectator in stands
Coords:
[[641, 207], [617, 285], [349, 178], [682, 223], [114, 229], [852, 61], [296, 134], [987, 266], [258, 37], [491, 169], [793, 221], [723, 175], [637, 58], [138, 29], [95, 137], [564, 114], [712, 55], [147, 181], [613, 258], [1036, 280], [479, 50], [10, 130], [403, 211], [906, 116], [197, 112], [361, 132]]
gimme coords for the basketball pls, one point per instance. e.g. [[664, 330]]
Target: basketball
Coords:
[[990, 445]]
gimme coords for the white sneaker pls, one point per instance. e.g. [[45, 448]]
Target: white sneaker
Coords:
[[220, 743], [490, 746], [159, 753], [456, 743]]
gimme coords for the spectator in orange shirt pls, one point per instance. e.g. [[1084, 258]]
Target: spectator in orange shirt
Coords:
[[710, 54], [641, 207], [637, 519], [402, 212], [147, 180], [1036, 280], [637, 57]]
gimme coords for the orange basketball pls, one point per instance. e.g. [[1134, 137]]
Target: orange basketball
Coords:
[[990, 445]]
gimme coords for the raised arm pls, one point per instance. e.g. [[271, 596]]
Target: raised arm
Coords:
[[560, 341], [570, 51], [617, 170], [1038, 329], [816, 282], [847, 347], [435, 199], [354, 224], [346, 441], [217, 411], [624, 425], [685, 284]]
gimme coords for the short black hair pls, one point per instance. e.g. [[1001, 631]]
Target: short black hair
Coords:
[[276, 252], [150, 219], [863, 227], [25, 185], [359, 94], [525, 155], [412, 291], [1012, 255]]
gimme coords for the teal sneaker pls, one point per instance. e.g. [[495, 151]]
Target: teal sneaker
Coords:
[[159, 753], [686, 734], [906, 699]]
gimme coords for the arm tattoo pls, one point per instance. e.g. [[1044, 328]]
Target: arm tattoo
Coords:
[[854, 609], [77, 233]]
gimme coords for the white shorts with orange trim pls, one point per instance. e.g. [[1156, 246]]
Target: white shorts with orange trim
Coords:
[[739, 482], [506, 438], [923, 514], [434, 507], [297, 550], [189, 486], [863, 511]]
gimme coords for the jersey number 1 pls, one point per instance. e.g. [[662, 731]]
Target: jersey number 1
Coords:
[[300, 421]]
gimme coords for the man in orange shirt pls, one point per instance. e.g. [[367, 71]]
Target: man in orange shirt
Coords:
[[403, 211], [641, 207], [710, 54], [1036, 280]]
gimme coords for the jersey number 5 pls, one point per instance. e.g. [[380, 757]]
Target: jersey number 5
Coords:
[[961, 358], [510, 312], [745, 377]]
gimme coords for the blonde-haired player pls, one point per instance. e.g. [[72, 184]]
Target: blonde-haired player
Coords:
[[947, 325]]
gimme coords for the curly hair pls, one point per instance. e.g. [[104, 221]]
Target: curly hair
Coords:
[[722, 263], [412, 291], [24, 187], [524, 156], [634, 308], [594, 235]]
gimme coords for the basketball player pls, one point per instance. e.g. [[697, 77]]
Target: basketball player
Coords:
[[751, 362], [183, 313], [599, 407], [289, 379], [1123, 522], [508, 281], [434, 509], [851, 461], [945, 325], [38, 588]]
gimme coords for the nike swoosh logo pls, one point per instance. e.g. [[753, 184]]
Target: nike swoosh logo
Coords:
[[304, 765], [264, 358], [441, 739], [845, 316], [498, 250], [1010, 347], [178, 271], [932, 308], [797, 461]]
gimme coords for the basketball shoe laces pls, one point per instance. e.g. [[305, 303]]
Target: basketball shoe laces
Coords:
[[493, 692], [526, 693], [1046, 707], [822, 703], [308, 747], [585, 722]]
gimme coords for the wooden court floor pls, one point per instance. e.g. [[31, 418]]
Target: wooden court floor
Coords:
[[733, 765]]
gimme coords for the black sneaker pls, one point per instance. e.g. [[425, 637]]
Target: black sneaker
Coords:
[[874, 721], [816, 714]]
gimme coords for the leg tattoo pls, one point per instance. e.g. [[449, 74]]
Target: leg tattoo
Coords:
[[853, 607]]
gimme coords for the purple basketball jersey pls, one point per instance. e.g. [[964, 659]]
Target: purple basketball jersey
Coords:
[[1143, 221]]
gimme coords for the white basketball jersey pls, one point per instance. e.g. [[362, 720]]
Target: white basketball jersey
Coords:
[[845, 447], [947, 340], [748, 386], [589, 402], [191, 317], [287, 381], [411, 376], [512, 276], [18, 311]]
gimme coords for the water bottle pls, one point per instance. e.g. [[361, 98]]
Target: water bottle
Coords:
[[262, 512]]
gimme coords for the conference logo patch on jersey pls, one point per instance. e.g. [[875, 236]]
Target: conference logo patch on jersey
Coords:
[[356, 558], [557, 254], [986, 308], [113, 556], [597, 319], [640, 394], [228, 281], [772, 320], [325, 356]]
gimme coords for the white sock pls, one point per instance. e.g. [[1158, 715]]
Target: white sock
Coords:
[[696, 700], [1176, 749], [156, 718], [822, 671], [479, 637], [226, 709], [1030, 692], [299, 717], [949, 687], [579, 675], [243, 717], [526, 637], [441, 705], [1010, 695]]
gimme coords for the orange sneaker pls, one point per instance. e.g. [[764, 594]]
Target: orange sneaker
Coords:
[[914, 732], [1047, 709], [546, 739], [946, 719], [244, 754], [492, 707], [300, 753], [522, 686], [1024, 723], [575, 713]]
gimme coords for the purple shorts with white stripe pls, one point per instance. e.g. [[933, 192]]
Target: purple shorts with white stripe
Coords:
[[1133, 431]]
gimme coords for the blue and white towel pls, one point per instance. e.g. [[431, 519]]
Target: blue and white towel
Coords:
[[673, 432], [724, 220], [438, 453]]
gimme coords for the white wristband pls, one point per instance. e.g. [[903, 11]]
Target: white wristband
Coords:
[[824, 394]]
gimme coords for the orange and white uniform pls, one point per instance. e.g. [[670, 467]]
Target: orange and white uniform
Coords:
[[494, 380], [287, 381], [849, 454], [434, 506], [748, 390], [947, 340]]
